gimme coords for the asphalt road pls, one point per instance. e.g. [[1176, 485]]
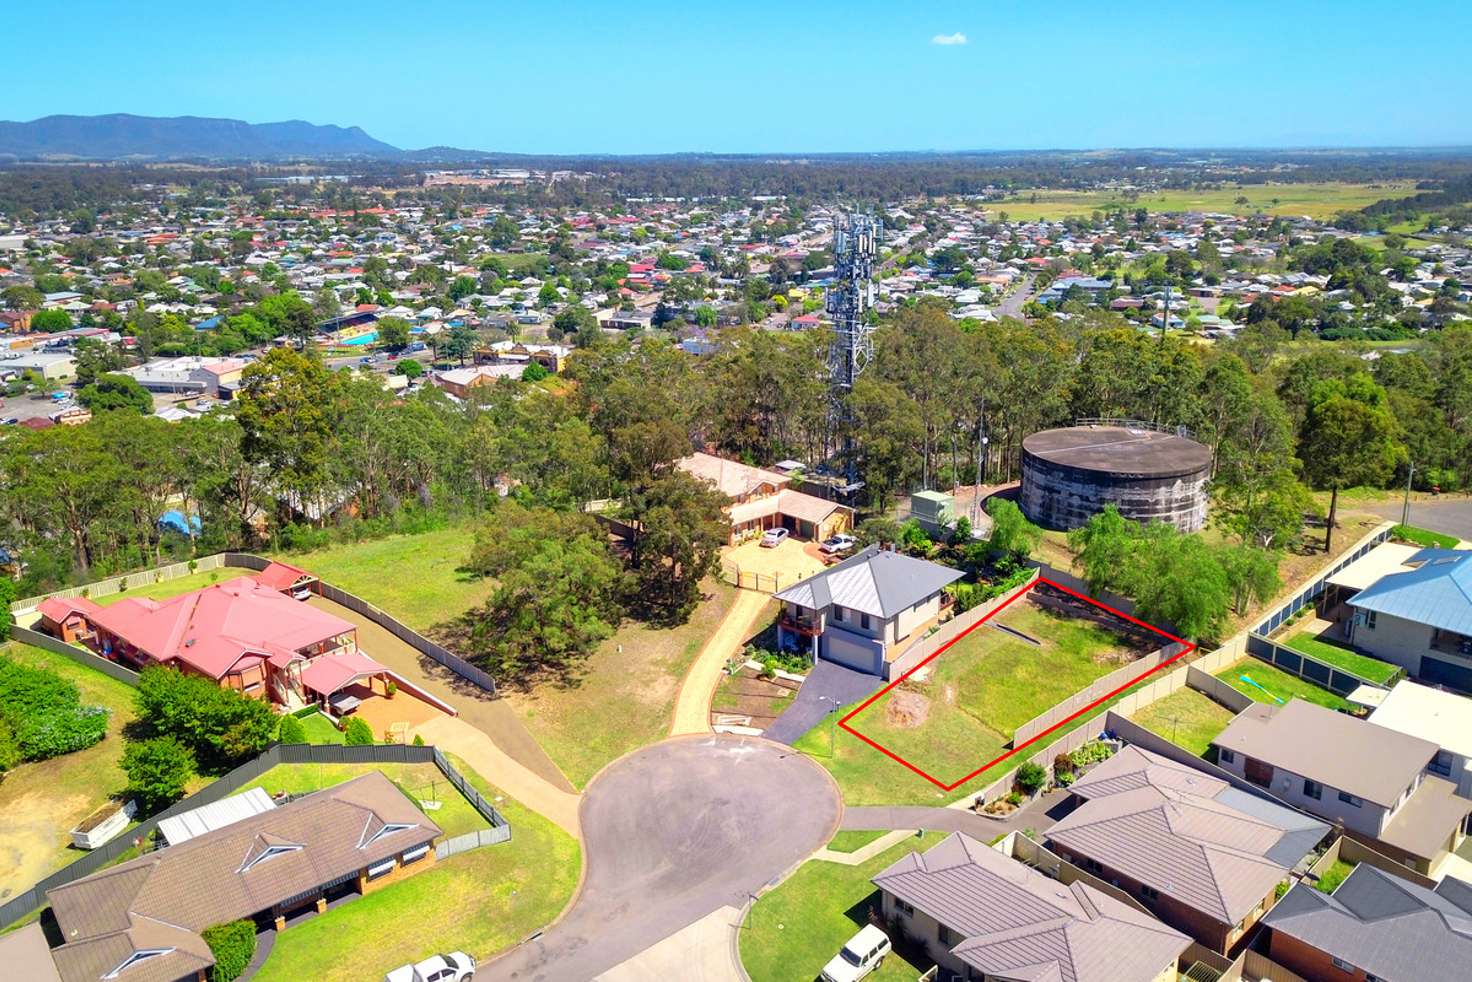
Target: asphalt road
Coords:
[[1447, 514], [1011, 305], [671, 833]]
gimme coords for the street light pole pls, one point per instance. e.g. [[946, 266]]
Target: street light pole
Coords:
[[1405, 510]]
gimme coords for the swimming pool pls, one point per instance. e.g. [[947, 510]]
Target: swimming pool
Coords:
[[368, 338]]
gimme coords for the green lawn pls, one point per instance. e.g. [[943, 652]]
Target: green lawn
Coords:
[[1319, 200], [1186, 718], [416, 578], [143, 584], [1424, 537], [988, 684], [1334, 875], [41, 801], [1278, 682], [422, 782], [481, 902], [854, 840], [320, 729], [1371, 669], [625, 695], [793, 930]]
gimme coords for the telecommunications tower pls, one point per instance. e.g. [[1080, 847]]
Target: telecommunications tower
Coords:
[[850, 298]]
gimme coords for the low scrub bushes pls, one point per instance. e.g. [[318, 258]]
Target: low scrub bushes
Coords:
[[42, 716], [233, 945]]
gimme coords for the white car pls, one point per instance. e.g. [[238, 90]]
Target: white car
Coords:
[[454, 967], [839, 544], [772, 538], [863, 954]]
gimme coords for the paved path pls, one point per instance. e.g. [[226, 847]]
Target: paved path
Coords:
[[476, 706], [672, 833], [485, 757], [706, 951], [825, 684], [692, 706]]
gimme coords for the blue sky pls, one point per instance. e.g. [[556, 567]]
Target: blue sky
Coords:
[[805, 75]]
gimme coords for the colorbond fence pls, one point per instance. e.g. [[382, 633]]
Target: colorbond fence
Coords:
[[1306, 667], [1095, 690], [1320, 583], [80, 655], [954, 628], [31, 900]]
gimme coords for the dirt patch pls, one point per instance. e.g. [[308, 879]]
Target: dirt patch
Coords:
[[906, 709], [36, 834], [1115, 657]]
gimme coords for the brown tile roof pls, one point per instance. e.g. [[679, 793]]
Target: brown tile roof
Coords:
[[1354, 755], [232, 872], [1020, 924], [1184, 833]]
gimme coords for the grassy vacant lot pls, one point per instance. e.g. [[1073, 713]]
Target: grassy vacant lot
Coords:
[[1186, 718], [1278, 682], [626, 693], [792, 931], [41, 801], [1372, 669], [1319, 200], [481, 902], [422, 782], [416, 578], [988, 684]]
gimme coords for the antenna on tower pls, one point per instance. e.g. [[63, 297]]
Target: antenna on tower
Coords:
[[855, 246]]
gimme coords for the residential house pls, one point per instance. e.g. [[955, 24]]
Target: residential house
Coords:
[[246, 634], [1442, 717], [1371, 779], [865, 611], [459, 382], [1202, 855], [982, 915], [1374, 927], [141, 921], [1420, 617], [761, 500]]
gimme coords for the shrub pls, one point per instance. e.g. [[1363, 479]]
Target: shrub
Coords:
[[1092, 753], [1015, 798], [1064, 778], [1031, 777], [10, 754], [357, 733], [1063, 764], [221, 727], [390, 688], [44, 712], [291, 730], [158, 770], [233, 945], [418, 740]]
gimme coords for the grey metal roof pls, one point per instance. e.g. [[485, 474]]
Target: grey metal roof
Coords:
[[1383, 925], [1438, 592], [1181, 832], [1019, 923], [872, 581]]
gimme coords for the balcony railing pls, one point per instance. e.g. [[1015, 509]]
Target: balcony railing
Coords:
[[800, 625]]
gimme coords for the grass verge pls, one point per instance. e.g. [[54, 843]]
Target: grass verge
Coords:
[[1424, 537]]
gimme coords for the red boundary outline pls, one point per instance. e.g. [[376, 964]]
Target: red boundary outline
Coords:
[[1189, 647]]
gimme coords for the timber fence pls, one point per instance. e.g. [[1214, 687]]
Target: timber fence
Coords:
[[135, 838]]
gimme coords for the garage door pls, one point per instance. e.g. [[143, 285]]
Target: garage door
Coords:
[[1445, 673], [852, 651]]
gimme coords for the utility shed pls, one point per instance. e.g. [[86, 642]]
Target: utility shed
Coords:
[[207, 818], [932, 509]]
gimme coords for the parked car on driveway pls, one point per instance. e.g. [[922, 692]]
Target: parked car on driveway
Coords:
[[839, 544], [454, 967], [772, 538], [863, 954]]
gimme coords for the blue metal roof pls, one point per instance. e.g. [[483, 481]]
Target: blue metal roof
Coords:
[[1438, 592]]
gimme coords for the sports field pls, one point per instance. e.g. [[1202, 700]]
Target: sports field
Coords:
[[1317, 200], [989, 683]]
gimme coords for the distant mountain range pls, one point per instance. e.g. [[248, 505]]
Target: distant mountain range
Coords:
[[120, 135]]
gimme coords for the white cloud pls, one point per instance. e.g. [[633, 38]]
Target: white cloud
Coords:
[[949, 39]]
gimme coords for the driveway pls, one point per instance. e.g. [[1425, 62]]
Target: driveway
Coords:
[[1447, 515], [775, 569], [692, 706], [671, 833], [826, 684]]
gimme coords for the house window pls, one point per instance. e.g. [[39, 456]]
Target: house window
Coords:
[[903, 907], [837, 614], [1370, 619], [1313, 789], [864, 621], [946, 936], [379, 869], [1350, 799], [1342, 965], [1149, 893], [413, 855], [1225, 756]]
